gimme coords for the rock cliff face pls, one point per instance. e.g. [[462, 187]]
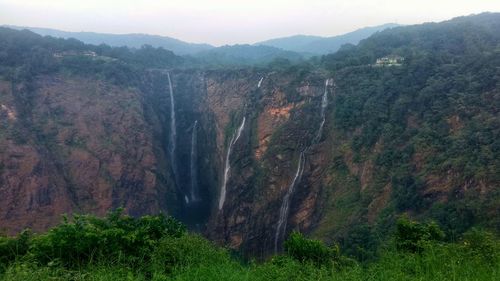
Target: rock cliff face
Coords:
[[73, 144]]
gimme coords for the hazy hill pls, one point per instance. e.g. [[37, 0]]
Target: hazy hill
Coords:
[[245, 55], [318, 45], [314, 45], [132, 40]]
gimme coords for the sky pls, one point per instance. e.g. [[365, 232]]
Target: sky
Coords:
[[220, 22]]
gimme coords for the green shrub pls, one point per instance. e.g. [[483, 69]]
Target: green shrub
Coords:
[[412, 236], [483, 245], [308, 250], [13, 247], [115, 238], [188, 250], [284, 268]]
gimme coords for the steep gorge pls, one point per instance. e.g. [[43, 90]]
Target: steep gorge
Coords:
[[246, 155], [80, 155], [122, 140]]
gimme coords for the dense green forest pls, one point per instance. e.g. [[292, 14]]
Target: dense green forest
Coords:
[[435, 114], [119, 247], [24, 54]]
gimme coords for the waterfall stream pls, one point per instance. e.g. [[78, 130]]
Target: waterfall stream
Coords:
[[173, 134], [227, 168], [280, 229], [194, 156], [285, 205], [260, 82], [324, 104]]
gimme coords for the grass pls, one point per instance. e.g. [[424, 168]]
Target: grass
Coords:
[[159, 249], [438, 262]]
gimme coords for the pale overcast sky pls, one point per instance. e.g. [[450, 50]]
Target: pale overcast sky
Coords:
[[221, 22]]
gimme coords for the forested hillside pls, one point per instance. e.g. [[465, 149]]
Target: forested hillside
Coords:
[[427, 131], [317, 45], [135, 40]]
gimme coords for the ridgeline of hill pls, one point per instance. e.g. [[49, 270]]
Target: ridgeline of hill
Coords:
[[122, 40], [317, 45], [294, 48]]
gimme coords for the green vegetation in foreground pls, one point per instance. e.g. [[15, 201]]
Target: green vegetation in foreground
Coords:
[[159, 248]]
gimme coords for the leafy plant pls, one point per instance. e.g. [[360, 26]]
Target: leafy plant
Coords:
[[483, 245], [13, 247], [412, 236], [308, 250], [189, 250], [116, 237]]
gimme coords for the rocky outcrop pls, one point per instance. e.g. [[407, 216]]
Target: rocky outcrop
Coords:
[[82, 146]]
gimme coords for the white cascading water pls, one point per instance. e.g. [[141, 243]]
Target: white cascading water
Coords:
[[194, 156], [227, 168], [282, 222], [260, 82], [173, 133], [280, 230], [173, 130], [324, 104]]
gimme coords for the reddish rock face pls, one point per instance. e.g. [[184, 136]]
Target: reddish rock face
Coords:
[[89, 146], [84, 145]]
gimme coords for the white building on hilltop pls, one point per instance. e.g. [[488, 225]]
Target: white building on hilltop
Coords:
[[392, 60]]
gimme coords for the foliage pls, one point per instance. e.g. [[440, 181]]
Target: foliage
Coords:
[[87, 239], [308, 250], [360, 243], [173, 253], [413, 236], [176, 255], [407, 190], [482, 245], [239, 55], [24, 55], [430, 126], [13, 247]]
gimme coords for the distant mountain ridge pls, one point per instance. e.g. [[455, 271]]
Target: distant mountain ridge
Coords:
[[246, 55], [317, 45], [290, 47], [132, 40]]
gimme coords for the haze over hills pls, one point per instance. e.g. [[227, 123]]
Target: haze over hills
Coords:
[[118, 40], [318, 45], [246, 55], [292, 48]]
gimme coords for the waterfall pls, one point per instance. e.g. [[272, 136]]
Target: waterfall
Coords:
[[227, 168], [173, 133], [173, 130], [284, 210], [260, 82], [280, 229], [324, 104], [194, 156]]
